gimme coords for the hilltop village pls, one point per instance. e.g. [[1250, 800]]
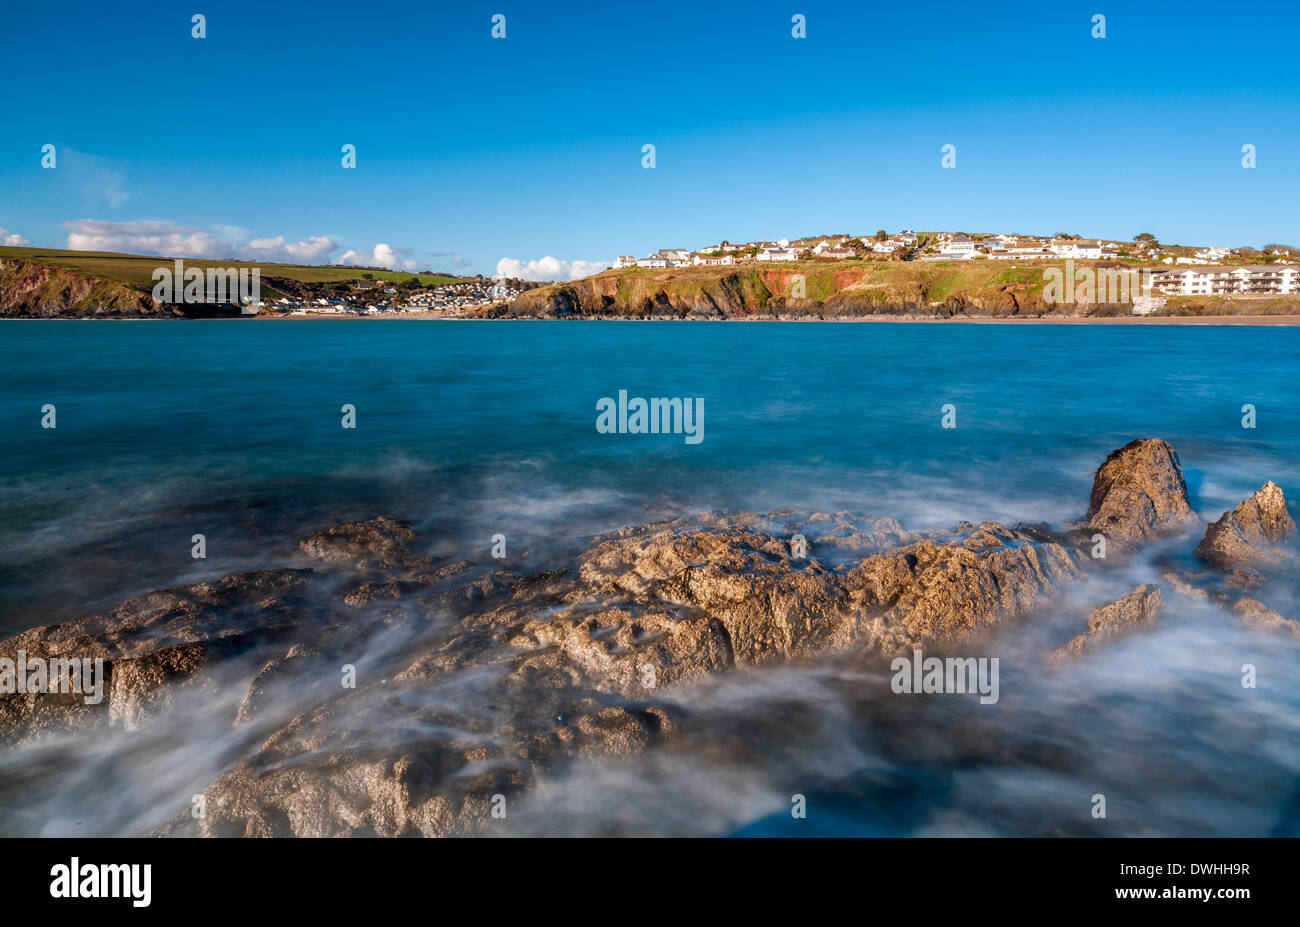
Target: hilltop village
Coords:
[[1178, 269]]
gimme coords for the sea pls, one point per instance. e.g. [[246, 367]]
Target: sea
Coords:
[[254, 433]]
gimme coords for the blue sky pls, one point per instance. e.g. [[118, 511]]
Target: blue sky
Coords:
[[471, 150]]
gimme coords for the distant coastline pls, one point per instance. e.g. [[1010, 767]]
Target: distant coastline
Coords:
[[1283, 320], [45, 285]]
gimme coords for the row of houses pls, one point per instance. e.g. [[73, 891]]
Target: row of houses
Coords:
[[1016, 248], [726, 253], [942, 247]]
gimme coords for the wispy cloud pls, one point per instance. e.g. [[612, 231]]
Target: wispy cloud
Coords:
[[548, 268], [12, 238], [96, 178], [447, 260]]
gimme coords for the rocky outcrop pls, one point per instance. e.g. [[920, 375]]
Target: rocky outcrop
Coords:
[[152, 647], [1139, 494], [572, 663], [1252, 533], [471, 682], [1134, 611]]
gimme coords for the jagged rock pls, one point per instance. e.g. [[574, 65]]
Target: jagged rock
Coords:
[[1193, 585], [481, 680], [1133, 611], [153, 646], [1243, 580], [382, 537], [1139, 494], [1252, 533], [294, 668], [370, 592], [572, 663], [1258, 616]]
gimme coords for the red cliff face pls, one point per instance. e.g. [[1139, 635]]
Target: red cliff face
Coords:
[[768, 293]]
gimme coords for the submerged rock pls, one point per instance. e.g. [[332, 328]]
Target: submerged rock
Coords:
[[1139, 494], [1133, 611], [383, 537], [1259, 617], [154, 646], [1250, 534]]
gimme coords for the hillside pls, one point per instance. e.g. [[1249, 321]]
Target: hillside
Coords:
[[51, 283], [841, 289]]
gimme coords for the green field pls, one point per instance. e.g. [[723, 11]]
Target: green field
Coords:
[[137, 270]]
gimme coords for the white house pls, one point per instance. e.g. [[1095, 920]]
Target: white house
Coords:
[[782, 253], [959, 247]]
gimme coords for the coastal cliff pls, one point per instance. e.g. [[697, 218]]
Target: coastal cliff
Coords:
[[787, 292], [840, 290], [804, 291], [33, 290]]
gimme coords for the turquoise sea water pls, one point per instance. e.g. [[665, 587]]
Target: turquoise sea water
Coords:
[[232, 429]]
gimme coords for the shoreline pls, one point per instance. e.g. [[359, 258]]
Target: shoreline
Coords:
[[1285, 320]]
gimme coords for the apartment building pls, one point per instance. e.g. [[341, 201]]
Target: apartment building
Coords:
[[1260, 279]]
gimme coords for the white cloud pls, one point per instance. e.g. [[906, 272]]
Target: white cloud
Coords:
[[549, 268], [311, 250], [155, 236], [383, 256], [217, 242], [12, 238], [148, 236]]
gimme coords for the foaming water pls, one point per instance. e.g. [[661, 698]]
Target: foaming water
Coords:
[[232, 430]]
